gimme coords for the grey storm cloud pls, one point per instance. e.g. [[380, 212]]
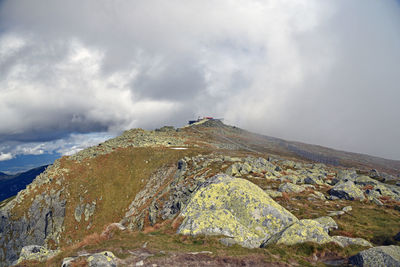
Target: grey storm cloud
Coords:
[[322, 72]]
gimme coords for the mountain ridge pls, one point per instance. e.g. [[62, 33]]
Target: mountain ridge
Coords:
[[133, 190]]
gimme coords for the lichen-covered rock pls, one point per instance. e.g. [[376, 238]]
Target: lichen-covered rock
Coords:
[[345, 241], [327, 223], [347, 190], [384, 256], [347, 209], [37, 253], [238, 169], [313, 180], [300, 232], [102, 259], [235, 208], [291, 188], [273, 193], [318, 195], [290, 178], [365, 180]]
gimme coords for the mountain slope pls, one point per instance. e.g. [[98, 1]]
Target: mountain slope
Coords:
[[144, 179]]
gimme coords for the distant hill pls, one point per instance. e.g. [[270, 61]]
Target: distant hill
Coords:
[[10, 185], [4, 176]]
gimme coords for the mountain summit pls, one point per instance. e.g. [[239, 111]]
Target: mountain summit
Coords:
[[204, 194]]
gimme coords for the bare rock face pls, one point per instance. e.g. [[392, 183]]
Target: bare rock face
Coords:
[[42, 222], [235, 208]]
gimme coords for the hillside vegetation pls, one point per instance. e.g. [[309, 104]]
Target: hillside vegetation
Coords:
[[208, 194]]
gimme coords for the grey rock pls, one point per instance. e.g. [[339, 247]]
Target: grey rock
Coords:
[[345, 241], [300, 232], [327, 223], [42, 222], [347, 209], [102, 259], [385, 256], [347, 190], [336, 213], [291, 188], [34, 252], [273, 193], [365, 180]]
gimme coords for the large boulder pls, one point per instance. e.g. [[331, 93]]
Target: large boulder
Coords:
[[385, 256], [347, 190], [300, 232], [235, 208]]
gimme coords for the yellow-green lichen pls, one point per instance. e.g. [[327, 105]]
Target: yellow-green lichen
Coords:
[[236, 208], [301, 232]]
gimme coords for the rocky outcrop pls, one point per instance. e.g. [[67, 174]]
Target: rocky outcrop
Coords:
[[235, 208], [377, 256], [40, 223]]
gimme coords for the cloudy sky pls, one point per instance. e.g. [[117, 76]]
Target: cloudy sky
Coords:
[[73, 73]]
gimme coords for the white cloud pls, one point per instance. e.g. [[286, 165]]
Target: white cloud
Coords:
[[5, 156], [323, 72]]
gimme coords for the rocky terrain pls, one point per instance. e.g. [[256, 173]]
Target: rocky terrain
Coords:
[[208, 194]]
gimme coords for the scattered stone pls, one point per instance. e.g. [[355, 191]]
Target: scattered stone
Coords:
[[313, 181], [347, 190], [291, 188], [365, 180], [377, 256], [103, 259], [235, 208], [328, 223], [318, 195], [139, 263], [347, 209], [374, 174], [336, 213], [345, 241]]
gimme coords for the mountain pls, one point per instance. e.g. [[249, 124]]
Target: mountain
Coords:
[[204, 194], [4, 176], [10, 185]]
